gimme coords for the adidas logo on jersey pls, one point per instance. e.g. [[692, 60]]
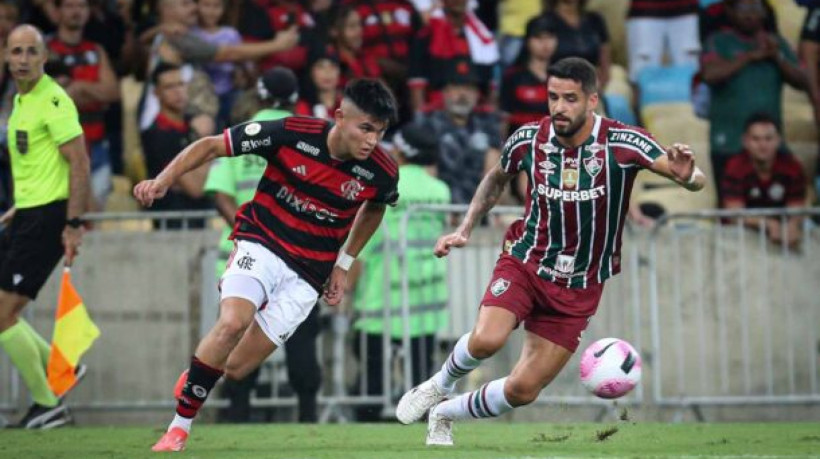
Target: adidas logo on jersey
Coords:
[[301, 170]]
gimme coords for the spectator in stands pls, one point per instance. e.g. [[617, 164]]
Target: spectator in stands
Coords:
[[171, 132], [262, 20], [211, 30], [321, 95], [524, 96], [347, 43], [415, 152], [388, 30], [514, 16], [760, 177], [182, 47], [745, 67], [809, 52], [468, 135], [655, 26], [453, 34], [82, 67], [713, 17], [581, 33], [231, 183]]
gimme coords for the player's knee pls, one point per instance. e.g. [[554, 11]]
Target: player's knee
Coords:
[[520, 392], [229, 328], [484, 345]]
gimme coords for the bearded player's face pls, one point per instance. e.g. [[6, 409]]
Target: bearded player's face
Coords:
[[569, 105]]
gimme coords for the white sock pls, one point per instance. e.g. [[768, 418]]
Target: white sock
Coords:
[[486, 402], [182, 423], [457, 365]]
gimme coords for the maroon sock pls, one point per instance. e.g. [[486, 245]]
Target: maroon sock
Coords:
[[201, 379]]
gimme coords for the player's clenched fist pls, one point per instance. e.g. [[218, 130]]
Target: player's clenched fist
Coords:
[[444, 243], [148, 190], [681, 161]]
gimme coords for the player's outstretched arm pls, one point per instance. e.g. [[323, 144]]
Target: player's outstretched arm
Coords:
[[194, 155], [678, 165], [485, 198], [367, 222]]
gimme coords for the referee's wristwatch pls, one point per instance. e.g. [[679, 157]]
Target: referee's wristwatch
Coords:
[[75, 222]]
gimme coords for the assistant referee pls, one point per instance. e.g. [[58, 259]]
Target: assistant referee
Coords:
[[50, 171]]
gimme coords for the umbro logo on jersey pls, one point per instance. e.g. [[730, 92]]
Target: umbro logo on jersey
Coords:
[[546, 168], [307, 148], [301, 170]]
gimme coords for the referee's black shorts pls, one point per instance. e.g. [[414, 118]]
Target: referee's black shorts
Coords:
[[31, 247]]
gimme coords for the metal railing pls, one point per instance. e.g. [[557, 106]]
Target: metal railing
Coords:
[[734, 315]]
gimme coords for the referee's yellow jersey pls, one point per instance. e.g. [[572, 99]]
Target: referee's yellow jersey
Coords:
[[41, 121]]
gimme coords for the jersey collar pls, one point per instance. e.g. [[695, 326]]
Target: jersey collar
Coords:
[[593, 136]]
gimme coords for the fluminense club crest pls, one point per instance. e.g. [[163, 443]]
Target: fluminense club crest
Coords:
[[593, 165], [499, 286], [351, 189]]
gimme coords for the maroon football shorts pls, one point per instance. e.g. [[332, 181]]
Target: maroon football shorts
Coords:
[[555, 313]]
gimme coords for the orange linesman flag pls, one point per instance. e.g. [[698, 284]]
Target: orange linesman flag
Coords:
[[74, 332]]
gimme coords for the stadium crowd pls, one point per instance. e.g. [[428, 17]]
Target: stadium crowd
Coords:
[[151, 76]]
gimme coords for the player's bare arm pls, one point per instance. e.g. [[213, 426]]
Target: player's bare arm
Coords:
[[678, 165], [193, 156], [367, 222], [486, 196], [79, 191]]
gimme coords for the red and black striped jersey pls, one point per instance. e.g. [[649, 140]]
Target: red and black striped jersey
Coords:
[[524, 97], [82, 63], [388, 27], [306, 201]]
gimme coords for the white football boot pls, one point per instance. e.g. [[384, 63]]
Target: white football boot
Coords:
[[415, 402], [439, 430]]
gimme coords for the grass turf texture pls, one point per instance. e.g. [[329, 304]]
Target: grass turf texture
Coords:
[[473, 440]]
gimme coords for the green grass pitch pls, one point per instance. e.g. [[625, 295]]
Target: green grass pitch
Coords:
[[473, 440]]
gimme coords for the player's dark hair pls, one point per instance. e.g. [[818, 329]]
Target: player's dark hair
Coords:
[[373, 98], [578, 70], [161, 68], [760, 118]]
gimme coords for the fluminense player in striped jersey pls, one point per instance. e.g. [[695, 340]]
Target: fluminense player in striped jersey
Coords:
[[557, 257]]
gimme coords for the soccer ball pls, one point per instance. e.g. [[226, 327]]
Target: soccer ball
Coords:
[[610, 368]]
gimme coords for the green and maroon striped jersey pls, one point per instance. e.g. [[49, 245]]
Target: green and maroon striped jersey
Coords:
[[577, 198]]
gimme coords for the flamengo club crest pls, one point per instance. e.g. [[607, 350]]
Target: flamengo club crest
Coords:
[[499, 286], [351, 189]]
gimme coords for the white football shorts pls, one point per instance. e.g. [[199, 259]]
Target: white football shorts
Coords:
[[288, 298]]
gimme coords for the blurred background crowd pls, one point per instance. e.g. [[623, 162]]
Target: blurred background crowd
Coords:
[[737, 79]]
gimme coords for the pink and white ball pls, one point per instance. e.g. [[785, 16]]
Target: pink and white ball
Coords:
[[610, 368]]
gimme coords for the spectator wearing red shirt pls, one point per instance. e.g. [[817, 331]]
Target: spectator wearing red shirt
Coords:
[[760, 177], [454, 33], [347, 38], [321, 96], [279, 16], [524, 96], [83, 67]]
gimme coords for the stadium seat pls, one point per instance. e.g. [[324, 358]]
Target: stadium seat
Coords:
[[131, 89], [652, 114], [614, 13], [120, 199], [665, 84], [617, 107]]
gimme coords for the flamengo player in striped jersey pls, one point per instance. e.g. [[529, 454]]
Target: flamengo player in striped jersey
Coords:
[[551, 273], [320, 177]]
